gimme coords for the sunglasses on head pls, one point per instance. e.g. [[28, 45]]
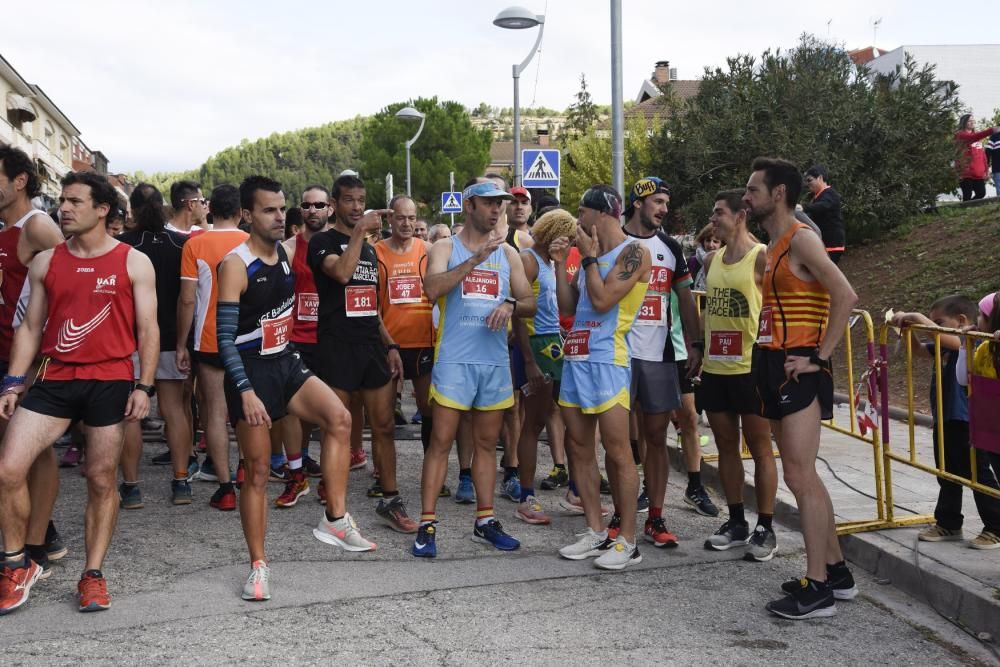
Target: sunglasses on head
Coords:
[[305, 206]]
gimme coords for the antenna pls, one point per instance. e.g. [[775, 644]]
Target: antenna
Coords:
[[875, 24]]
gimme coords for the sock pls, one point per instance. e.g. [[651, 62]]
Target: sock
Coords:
[[508, 472], [840, 565], [426, 427], [331, 518], [765, 520], [694, 480], [572, 487], [227, 486], [96, 574], [427, 518], [635, 451], [277, 460], [295, 461], [389, 494], [525, 492], [465, 472], [180, 476], [16, 558], [560, 466], [484, 515], [127, 483], [736, 513], [36, 552], [655, 512]]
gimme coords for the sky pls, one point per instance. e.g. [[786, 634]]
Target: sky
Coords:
[[161, 86]]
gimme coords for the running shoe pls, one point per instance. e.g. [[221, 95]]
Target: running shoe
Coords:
[[809, 600], [700, 501], [424, 546], [207, 471], [605, 486], [375, 490], [642, 502], [312, 467], [54, 547], [37, 554], [223, 500], [445, 492], [15, 584], [510, 489], [131, 496], [558, 478], [295, 488], [573, 505], [615, 526], [841, 582], [465, 494], [590, 544], [321, 493], [619, 555], [938, 533], [358, 459], [180, 492], [201, 445], [161, 459], [985, 540], [92, 592], [492, 532], [728, 536], [241, 474], [655, 532], [417, 418], [342, 533], [258, 586], [193, 467], [530, 511], [279, 474], [393, 514], [398, 415], [72, 457], [763, 545]]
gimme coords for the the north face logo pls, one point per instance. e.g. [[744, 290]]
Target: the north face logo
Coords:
[[727, 302]]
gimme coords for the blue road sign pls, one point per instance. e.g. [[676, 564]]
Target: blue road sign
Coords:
[[540, 168], [451, 202]]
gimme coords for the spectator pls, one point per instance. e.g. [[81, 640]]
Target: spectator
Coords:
[[825, 210], [293, 222], [972, 163], [993, 154], [705, 242]]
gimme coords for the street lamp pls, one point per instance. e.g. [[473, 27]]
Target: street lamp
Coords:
[[409, 113], [519, 18]]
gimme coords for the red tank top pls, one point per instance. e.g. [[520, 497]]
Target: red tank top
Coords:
[[305, 311], [90, 333], [13, 284]]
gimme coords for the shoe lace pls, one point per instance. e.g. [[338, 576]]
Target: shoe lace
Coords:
[[260, 574], [92, 586], [659, 525]]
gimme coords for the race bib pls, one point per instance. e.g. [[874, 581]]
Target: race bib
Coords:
[[405, 289], [307, 309], [651, 312], [481, 284], [660, 279], [577, 345], [276, 331], [725, 346], [764, 330], [359, 301]]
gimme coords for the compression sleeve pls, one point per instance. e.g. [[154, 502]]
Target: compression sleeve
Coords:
[[227, 317]]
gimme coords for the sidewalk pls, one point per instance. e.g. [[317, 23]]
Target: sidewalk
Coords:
[[960, 582]]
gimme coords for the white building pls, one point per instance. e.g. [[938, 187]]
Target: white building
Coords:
[[974, 67]]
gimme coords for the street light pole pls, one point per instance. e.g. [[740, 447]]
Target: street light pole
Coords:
[[409, 113], [519, 18], [617, 110]]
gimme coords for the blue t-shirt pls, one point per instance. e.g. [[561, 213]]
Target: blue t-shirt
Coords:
[[954, 399]]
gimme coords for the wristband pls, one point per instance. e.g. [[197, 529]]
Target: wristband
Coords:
[[587, 261], [815, 359], [12, 382], [392, 346]]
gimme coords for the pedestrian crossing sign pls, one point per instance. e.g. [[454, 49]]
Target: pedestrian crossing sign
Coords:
[[540, 168], [451, 202]]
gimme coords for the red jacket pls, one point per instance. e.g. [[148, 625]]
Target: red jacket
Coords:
[[972, 164]]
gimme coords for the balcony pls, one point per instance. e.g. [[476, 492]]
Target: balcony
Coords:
[[51, 160], [14, 137]]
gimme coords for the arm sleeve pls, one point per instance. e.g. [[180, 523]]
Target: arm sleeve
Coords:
[[227, 316]]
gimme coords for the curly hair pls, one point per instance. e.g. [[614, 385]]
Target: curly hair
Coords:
[[552, 225]]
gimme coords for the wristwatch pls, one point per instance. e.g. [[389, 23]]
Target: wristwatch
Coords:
[[814, 358], [587, 261], [392, 346], [147, 389], [511, 300]]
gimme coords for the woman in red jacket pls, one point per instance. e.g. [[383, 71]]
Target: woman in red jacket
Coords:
[[972, 164]]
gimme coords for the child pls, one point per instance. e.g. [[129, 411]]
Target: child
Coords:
[[955, 312]]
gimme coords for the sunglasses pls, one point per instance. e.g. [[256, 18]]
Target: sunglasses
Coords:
[[305, 206], [203, 202]]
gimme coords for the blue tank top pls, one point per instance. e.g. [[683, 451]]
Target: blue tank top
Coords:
[[462, 335], [546, 319], [600, 337]]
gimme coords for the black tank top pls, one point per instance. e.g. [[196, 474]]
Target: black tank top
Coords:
[[265, 324], [164, 251]]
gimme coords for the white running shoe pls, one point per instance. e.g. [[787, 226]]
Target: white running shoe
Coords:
[[619, 555], [590, 544], [342, 533], [258, 587]]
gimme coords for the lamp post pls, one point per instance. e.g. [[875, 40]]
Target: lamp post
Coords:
[[519, 18], [409, 113], [617, 108]]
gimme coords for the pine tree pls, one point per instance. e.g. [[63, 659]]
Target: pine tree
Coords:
[[582, 114]]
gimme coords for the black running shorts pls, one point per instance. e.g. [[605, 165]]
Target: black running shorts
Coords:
[[417, 361], [353, 366], [94, 402], [275, 379], [780, 396], [735, 394]]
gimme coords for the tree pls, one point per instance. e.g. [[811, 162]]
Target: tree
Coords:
[[448, 143], [587, 160], [887, 140], [582, 114]]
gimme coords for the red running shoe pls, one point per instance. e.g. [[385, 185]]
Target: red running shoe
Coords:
[[358, 459], [656, 533], [93, 592], [223, 500], [15, 584]]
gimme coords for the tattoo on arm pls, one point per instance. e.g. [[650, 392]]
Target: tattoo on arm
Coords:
[[631, 262]]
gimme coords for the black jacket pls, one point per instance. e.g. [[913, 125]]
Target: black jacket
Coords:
[[825, 212]]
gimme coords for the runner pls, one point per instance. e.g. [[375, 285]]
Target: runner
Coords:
[[315, 212], [518, 215], [197, 307], [103, 292], [265, 379], [361, 356], [655, 388], [420, 230], [27, 232], [190, 208], [164, 249], [806, 304], [479, 284], [727, 394], [596, 368], [538, 356]]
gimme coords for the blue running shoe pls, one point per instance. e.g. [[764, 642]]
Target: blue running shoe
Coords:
[[466, 493], [510, 489], [425, 546], [492, 533]]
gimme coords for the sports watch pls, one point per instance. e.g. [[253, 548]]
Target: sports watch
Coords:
[[147, 389]]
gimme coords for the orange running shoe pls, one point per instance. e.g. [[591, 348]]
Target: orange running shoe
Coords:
[[15, 584], [295, 488], [656, 533], [93, 591]]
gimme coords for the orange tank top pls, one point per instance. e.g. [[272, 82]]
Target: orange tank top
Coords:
[[795, 311], [405, 310]]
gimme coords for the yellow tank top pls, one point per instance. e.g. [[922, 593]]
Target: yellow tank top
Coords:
[[732, 310]]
